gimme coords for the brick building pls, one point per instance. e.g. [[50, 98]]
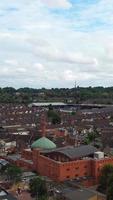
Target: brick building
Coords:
[[61, 164]]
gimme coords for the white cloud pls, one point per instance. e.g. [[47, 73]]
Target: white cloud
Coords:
[[39, 66], [65, 4], [52, 53], [11, 62], [40, 46]]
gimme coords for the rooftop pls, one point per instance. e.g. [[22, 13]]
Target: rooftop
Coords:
[[79, 194], [48, 103], [4, 195], [76, 152]]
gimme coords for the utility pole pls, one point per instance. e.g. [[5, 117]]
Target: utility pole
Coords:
[[75, 91]]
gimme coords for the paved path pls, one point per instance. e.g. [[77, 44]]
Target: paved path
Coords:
[[24, 196]]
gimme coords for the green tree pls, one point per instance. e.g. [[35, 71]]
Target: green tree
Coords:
[[110, 192], [38, 187], [50, 107], [105, 178], [90, 137], [14, 173], [54, 117]]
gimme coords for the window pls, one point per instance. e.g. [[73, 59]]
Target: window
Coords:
[[77, 168], [76, 175], [67, 169], [67, 176], [85, 166]]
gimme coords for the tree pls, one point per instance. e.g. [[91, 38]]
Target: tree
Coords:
[[105, 178], [50, 107], [14, 173], [90, 137], [38, 187], [109, 192], [54, 117]]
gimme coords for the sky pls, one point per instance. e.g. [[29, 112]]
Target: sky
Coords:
[[53, 43]]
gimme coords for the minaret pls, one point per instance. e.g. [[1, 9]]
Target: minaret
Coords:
[[43, 125]]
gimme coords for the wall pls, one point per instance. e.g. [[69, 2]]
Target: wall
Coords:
[[61, 171], [74, 169], [27, 154], [25, 165], [48, 167], [97, 165]]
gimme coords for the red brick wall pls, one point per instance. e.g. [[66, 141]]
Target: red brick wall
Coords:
[[74, 169], [25, 165], [36, 155], [97, 165], [69, 170], [48, 167], [27, 154]]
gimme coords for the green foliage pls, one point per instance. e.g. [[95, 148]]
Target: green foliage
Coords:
[[90, 137], [105, 180], [50, 107], [9, 90], [14, 173], [54, 117], [110, 192], [99, 95], [44, 197], [73, 113], [38, 187]]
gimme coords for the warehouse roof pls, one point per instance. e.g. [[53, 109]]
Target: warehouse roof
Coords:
[[48, 103]]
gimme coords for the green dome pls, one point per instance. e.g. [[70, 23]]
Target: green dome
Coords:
[[43, 143]]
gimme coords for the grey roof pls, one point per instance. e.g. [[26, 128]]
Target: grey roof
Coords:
[[4, 195], [28, 174], [79, 194], [76, 152], [48, 103], [3, 162], [8, 197], [14, 157], [27, 161]]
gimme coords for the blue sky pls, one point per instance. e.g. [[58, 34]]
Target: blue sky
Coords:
[[52, 43]]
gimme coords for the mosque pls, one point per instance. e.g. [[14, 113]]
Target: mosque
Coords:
[[60, 164]]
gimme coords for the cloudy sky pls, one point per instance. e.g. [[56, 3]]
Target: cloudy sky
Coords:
[[52, 43]]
